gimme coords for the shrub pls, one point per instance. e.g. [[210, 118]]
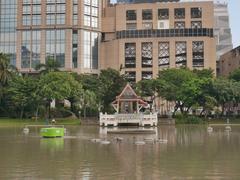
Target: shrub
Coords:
[[188, 119]]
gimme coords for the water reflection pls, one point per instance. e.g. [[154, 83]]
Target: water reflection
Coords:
[[53, 144], [190, 153]]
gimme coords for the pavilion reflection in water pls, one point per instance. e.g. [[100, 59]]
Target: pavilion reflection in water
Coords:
[[128, 108]]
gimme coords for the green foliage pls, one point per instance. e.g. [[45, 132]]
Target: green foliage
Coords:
[[187, 119], [111, 83], [235, 75], [51, 65], [6, 70]]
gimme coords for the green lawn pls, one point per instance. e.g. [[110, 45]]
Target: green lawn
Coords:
[[6, 122]]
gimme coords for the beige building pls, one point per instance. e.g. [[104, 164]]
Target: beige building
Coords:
[[66, 30], [229, 62], [141, 39]]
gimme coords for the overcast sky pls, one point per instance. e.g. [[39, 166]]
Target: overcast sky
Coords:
[[234, 8]]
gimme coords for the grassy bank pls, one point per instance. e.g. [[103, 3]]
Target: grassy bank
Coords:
[[6, 122]]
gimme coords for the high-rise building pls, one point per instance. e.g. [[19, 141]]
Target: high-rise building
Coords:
[[85, 36], [8, 24], [145, 38], [65, 30], [222, 30]]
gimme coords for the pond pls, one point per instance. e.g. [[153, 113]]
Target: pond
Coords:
[[187, 152]]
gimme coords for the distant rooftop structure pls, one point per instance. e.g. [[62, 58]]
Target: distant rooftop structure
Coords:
[[145, 1]]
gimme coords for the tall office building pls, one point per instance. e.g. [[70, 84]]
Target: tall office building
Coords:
[[145, 38], [66, 30], [8, 24], [222, 30]]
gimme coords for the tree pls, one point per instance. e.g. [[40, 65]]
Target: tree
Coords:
[[51, 65], [223, 92], [235, 75], [111, 84], [88, 101], [171, 84], [23, 95], [148, 88], [57, 86], [6, 70]]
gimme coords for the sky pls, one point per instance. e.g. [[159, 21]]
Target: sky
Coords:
[[234, 8]]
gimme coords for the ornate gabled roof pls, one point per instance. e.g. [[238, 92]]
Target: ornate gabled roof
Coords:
[[128, 93]]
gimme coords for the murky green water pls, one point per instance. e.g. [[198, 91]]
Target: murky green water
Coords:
[[190, 153]]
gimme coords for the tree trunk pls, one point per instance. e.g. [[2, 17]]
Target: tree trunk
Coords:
[[84, 112], [49, 109], [36, 114], [22, 111]]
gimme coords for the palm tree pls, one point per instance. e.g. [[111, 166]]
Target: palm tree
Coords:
[[51, 65], [6, 69]]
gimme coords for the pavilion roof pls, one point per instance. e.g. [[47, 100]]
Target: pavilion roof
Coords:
[[128, 94]]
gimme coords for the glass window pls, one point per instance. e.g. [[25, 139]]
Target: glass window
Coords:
[[87, 20], [181, 54], [179, 25], [196, 24], [147, 14], [163, 55], [179, 13], [196, 12], [163, 14], [147, 55], [131, 15], [130, 55], [198, 53]]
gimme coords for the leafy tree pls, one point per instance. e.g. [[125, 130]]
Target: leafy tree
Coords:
[[51, 65], [23, 95], [148, 88], [88, 101], [171, 84], [223, 92], [57, 86], [6, 70], [204, 73], [235, 75], [111, 84]]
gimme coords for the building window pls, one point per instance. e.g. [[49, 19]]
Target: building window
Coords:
[[130, 76], [30, 49], [131, 15], [163, 14], [55, 45], [181, 54], [147, 25], [131, 26], [147, 75], [147, 14], [147, 56], [75, 49], [196, 24], [179, 13], [163, 54], [198, 53], [56, 12], [90, 50], [179, 25], [196, 12], [130, 55]]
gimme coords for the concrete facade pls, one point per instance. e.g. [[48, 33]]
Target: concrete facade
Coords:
[[117, 31], [229, 62]]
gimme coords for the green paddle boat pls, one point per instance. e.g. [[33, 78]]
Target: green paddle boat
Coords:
[[52, 132]]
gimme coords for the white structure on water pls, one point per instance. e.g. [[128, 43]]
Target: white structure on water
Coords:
[[128, 106]]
